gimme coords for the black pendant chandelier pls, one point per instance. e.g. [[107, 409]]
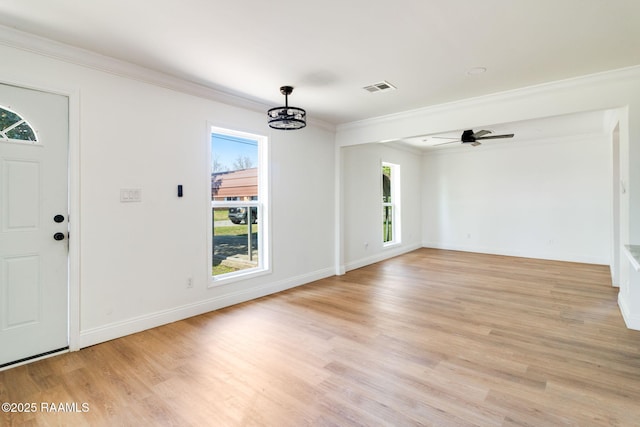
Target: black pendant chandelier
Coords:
[[287, 118]]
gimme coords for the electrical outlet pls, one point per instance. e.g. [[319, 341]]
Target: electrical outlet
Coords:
[[189, 283]]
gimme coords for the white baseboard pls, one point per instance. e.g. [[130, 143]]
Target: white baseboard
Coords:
[[631, 320], [151, 320], [381, 256], [552, 256]]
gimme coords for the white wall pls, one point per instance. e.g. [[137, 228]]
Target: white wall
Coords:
[[132, 260], [362, 202], [546, 199]]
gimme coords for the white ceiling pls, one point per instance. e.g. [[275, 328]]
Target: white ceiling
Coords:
[[329, 50]]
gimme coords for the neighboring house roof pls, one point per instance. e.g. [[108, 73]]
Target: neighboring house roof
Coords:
[[239, 183]]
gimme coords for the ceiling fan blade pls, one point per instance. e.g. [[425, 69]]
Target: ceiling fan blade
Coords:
[[508, 135], [443, 137], [481, 133], [444, 143]]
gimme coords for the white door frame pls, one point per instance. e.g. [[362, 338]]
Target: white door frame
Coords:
[[73, 95]]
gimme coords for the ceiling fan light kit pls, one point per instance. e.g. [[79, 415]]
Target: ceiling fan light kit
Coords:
[[287, 117]]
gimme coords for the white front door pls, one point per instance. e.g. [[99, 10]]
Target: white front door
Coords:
[[33, 223]]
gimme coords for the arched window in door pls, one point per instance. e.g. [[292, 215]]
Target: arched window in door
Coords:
[[15, 128]]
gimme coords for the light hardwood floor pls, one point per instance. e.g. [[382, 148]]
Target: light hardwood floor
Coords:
[[429, 338]]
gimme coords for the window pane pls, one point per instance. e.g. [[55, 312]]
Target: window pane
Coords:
[[386, 184], [387, 224], [235, 239], [234, 163], [22, 132], [8, 118]]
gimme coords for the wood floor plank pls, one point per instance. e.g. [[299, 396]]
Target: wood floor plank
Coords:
[[433, 337]]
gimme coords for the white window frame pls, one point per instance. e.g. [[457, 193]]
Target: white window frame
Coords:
[[262, 205], [395, 204]]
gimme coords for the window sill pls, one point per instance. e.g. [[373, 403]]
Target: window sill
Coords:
[[633, 253], [237, 277]]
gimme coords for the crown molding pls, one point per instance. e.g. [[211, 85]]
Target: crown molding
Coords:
[[28, 42], [628, 73]]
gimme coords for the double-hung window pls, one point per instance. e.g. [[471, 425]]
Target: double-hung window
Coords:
[[390, 203], [239, 204]]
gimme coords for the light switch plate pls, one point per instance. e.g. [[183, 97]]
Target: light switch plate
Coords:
[[130, 195]]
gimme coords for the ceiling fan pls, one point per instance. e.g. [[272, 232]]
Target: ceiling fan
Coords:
[[473, 138]]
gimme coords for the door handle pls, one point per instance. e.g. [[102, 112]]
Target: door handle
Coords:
[[58, 218], [58, 236]]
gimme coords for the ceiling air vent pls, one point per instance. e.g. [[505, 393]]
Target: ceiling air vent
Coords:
[[382, 86]]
